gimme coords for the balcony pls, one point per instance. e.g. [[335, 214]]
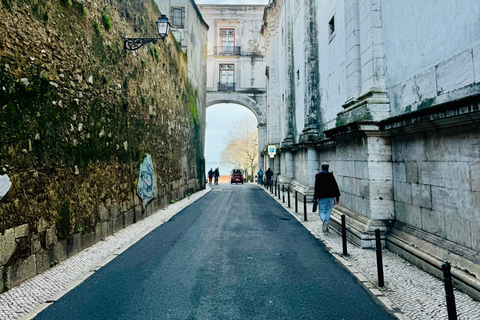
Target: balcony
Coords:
[[226, 86], [227, 51]]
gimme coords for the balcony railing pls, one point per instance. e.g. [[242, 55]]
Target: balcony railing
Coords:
[[226, 86], [227, 51]]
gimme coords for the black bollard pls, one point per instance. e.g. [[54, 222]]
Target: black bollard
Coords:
[[378, 243], [447, 279], [288, 195], [296, 201], [275, 188], [304, 208], [283, 193], [344, 235]]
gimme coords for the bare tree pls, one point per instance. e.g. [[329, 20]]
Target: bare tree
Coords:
[[241, 150]]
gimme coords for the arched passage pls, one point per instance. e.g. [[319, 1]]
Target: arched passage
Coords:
[[255, 102]]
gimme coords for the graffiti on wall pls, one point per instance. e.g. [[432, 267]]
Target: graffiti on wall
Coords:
[[147, 184], [5, 185]]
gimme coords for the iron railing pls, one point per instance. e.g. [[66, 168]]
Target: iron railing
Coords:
[[226, 86], [227, 51]]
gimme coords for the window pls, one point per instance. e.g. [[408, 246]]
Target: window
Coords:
[[178, 16], [331, 29], [227, 39], [227, 76]]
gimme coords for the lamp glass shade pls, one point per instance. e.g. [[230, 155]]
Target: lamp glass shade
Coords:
[[163, 26]]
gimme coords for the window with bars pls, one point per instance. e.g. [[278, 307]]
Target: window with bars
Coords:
[[177, 16]]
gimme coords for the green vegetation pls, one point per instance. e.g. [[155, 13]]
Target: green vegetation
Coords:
[[154, 52], [97, 29], [105, 80], [107, 21], [144, 64], [144, 98]]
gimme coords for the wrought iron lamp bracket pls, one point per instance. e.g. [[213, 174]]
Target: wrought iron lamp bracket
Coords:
[[133, 44]]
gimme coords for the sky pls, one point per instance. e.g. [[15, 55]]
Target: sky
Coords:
[[220, 118], [231, 1]]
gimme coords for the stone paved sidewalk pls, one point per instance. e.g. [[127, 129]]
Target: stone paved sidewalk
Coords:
[[409, 292]]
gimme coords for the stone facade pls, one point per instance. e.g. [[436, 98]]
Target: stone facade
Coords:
[[388, 94], [236, 60], [79, 114]]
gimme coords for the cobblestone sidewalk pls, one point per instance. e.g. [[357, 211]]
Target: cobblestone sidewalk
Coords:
[[409, 292], [32, 296]]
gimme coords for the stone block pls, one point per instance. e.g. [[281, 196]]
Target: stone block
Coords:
[[35, 244], [103, 213], [431, 173], [403, 192], [361, 169], [457, 175], [88, 239], [101, 231], [456, 72], [118, 223], [457, 229], [381, 208], [51, 236], [42, 225], [128, 217], [364, 189], [379, 149], [422, 196], [74, 244], [433, 222], [60, 251], [411, 169], [21, 271], [115, 209], [399, 172], [43, 261], [426, 84], [475, 176], [469, 150], [138, 213], [476, 224], [382, 190], [7, 245], [21, 231], [408, 214], [444, 147], [380, 170]]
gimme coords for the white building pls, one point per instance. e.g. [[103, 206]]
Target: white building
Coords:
[[388, 93], [236, 59]]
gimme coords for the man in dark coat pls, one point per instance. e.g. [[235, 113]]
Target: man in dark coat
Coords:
[[326, 193], [269, 175]]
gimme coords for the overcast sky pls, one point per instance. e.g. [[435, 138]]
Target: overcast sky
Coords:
[[220, 118], [231, 1]]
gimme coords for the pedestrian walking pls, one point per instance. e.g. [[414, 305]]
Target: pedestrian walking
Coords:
[[216, 174], [260, 176], [210, 176], [326, 193], [269, 175]]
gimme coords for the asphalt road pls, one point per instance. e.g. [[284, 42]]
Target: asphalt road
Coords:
[[233, 254]]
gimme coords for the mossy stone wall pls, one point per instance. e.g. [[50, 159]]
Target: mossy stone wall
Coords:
[[78, 115]]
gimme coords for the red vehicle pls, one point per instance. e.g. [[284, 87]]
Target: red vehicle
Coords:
[[236, 176]]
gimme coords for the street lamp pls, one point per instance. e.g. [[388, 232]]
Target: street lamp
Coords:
[[135, 43]]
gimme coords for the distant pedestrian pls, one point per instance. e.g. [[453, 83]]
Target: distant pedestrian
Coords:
[[326, 193], [269, 175], [216, 174], [260, 176], [210, 176]]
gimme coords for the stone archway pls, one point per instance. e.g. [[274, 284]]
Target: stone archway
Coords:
[[255, 102]]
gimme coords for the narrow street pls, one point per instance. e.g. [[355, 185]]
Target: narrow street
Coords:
[[233, 254]]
